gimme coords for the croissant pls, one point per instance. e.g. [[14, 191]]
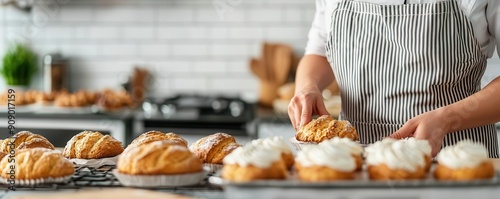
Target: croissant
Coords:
[[37, 163], [324, 128], [24, 140], [158, 158], [152, 136], [92, 145], [213, 148]]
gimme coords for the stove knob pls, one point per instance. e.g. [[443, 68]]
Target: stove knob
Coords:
[[219, 105], [237, 108], [168, 110]]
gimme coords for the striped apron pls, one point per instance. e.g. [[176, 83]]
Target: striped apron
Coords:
[[394, 62]]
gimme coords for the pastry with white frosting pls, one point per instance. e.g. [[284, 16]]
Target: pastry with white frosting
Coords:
[[465, 160], [423, 146], [355, 149], [391, 159], [277, 143], [253, 162], [325, 162]]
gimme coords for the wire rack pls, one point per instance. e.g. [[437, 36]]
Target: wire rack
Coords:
[[102, 177]]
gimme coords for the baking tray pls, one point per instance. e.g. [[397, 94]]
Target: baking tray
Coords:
[[361, 181]]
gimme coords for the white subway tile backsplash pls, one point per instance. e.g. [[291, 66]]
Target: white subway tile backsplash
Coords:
[[189, 83], [124, 14], [190, 50], [246, 33], [102, 32], [189, 45], [229, 49], [154, 49], [75, 14], [138, 32], [280, 33], [183, 32], [175, 14], [119, 50], [218, 67], [265, 15]]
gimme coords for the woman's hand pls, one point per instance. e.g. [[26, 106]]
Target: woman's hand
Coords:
[[307, 102], [431, 126]]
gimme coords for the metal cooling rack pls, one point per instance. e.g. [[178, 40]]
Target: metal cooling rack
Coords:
[[102, 177]]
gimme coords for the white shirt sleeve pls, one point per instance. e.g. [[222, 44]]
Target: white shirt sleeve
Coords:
[[493, 18], [318, 33]]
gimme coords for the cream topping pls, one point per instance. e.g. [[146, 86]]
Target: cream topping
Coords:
[[464, 154], [331, 156], [421, 145], [346, 143], [253, 155], [395, 154], [274, 143]]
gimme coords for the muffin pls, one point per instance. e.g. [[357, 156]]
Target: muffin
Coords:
[[251, 163], [277, 143], [37, 163], [394, 160], [355, 149], [325, 162], [214, 148], [152, 136], [424, 147], [25, 140], [164, 157], [465, 160], [324, 128], [92, 145]]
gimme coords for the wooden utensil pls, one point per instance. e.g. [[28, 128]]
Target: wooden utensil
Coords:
[[282, 63], [268, 60], [257, 68]]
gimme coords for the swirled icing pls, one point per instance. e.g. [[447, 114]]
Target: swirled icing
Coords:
[[253, 155], [464, 154], [331, 156], [394, 154], [274, 143], [346, 143]]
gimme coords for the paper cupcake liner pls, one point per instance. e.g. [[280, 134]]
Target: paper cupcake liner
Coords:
[[49, 180], [160, 180], [212, 168], [95, 163], [298, 144]]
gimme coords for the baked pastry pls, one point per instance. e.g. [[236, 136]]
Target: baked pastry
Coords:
[[2, 154], [464, 161], [92, 145], [394, 160], [251, 162], [152, 136], [37, 163], [78, 99], [324, 128], [355, 149], [24, 140], [325, 162], [113, 100], [45, 98], [424, 147], [163, 157], [277, 143], [214, 148]]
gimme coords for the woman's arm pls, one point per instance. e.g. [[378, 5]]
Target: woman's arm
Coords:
[[313, 75]]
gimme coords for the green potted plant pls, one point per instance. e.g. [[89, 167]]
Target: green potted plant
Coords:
[[18, 66]]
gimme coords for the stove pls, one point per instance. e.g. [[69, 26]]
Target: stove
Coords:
[[196, 116]]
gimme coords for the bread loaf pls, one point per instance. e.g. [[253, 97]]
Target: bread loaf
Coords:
[[37, 163], [213, 148], [92, 145], [163, 157], [24, 140], [324, 128], [152, 136]]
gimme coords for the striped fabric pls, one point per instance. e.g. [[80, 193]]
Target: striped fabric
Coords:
[[394, 62]]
